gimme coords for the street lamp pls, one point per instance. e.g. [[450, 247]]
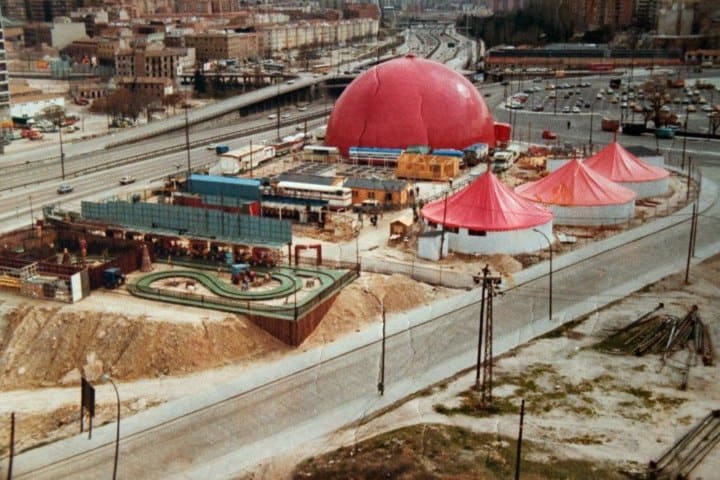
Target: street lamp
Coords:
[[381, 383], [592, 115], [106, 378], [185, 107], [550, 294], [62, 152]]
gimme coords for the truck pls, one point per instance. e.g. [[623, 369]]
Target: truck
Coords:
[[475, 154], [609, 125], [503, 159], [113, 278], [220, 149]]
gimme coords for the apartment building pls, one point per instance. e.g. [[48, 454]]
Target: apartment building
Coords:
[[220, 45], [154, 61], [5, 120]]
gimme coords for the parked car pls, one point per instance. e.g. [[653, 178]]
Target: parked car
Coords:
[[576, 110], [549, 135], [538, 108], [127, 180], [566, 109], [210, 146], [64, 188], [272, 116]]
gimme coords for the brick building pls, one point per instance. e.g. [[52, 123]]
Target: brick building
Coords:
[[222, 45]]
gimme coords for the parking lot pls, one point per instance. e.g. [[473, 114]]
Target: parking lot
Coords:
[[626, 103]]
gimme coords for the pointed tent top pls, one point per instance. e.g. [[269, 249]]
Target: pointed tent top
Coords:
[[486, 204], [574, 184], [619, 165]]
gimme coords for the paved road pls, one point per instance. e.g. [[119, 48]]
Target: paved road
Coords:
[[263, 419]]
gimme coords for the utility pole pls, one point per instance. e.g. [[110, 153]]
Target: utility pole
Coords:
[[519, 440], [187, 139], [483, 376], [12, 446], [682, 165], [690, 244], [62, 152], [486, 397]]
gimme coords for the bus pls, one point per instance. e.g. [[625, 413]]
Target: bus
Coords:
[[337, 197], [375, 156], [289, 144], [602, 67], [321, 153]]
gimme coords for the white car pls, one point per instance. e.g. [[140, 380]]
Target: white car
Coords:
[[210, 146], [127, 180], [272, 116], [599, 96], [302, 109], [566, 109], [285, 115], [576, 110]]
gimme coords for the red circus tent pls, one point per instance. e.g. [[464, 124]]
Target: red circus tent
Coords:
[[619, 165], [486, 204], [576, 184]]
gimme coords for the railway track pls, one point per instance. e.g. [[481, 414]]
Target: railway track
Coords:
[[687, 453]]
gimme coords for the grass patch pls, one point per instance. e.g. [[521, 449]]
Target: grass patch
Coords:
[[429, 451]]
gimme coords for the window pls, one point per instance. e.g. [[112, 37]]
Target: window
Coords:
[[452, 229], [371, 195], [477, 233], [388, 197]]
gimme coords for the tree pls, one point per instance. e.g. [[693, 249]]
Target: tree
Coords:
[[172, 100], [200, 82], [657, 95], [54, 114]]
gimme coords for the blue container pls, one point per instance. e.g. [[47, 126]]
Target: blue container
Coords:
[[219, 186]]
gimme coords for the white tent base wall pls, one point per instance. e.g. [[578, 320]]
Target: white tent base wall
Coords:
[[593, 215], [652, 188], [509, 242]]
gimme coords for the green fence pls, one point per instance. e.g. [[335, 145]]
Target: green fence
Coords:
[[192, 221]]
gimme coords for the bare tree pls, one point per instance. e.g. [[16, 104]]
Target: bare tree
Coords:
[[54, 114]]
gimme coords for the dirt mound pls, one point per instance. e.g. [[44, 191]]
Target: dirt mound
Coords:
[[49, 346], [400, 293], [354, 307]]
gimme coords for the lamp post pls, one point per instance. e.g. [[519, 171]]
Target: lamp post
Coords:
[[550, 293], [62, 152], [381, 382], [592, 115], [106, 378], [185, 107]]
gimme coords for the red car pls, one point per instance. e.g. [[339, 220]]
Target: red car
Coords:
[[549, 135]]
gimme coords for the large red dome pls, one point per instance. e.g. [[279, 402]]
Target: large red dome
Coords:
[[410, 101]]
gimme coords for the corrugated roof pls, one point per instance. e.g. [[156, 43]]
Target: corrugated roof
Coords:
[[376, 184], [248, 182], [305, 178]]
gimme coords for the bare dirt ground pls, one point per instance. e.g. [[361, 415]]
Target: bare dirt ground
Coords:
[[587, 412], [157, 351]]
